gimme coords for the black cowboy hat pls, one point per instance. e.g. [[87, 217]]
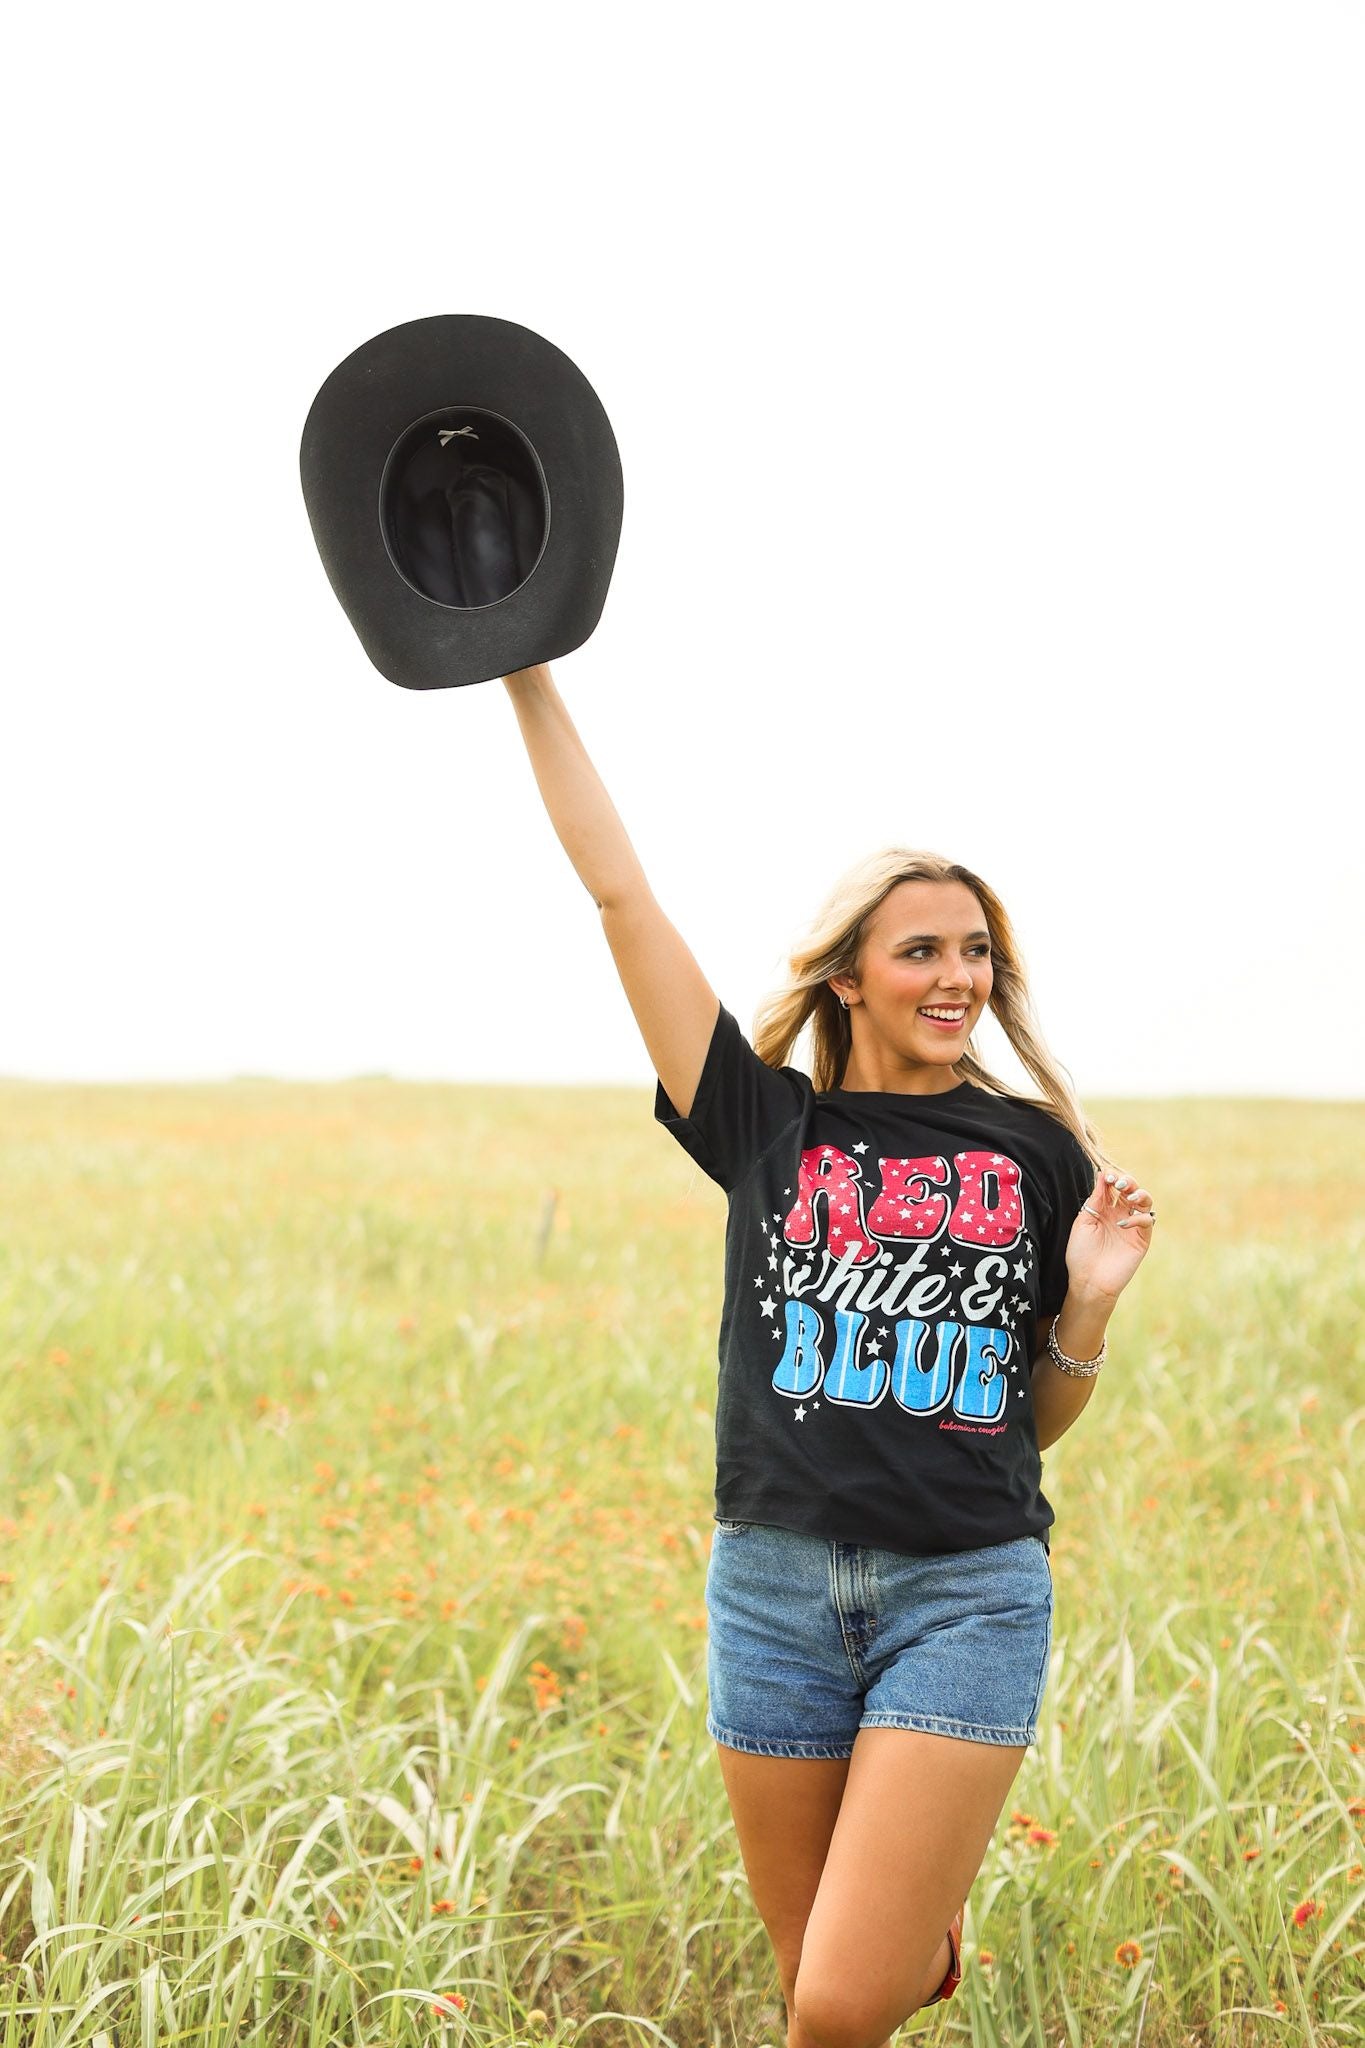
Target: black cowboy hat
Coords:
[[464, 490]]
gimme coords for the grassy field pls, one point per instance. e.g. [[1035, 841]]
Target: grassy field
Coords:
[[357, 1446]]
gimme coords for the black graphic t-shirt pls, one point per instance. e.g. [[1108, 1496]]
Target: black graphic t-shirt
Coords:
[[887, 1258]]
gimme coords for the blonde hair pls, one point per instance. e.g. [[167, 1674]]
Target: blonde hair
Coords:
[[832, 945]]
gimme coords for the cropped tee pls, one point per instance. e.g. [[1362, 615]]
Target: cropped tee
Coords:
[[887, 1259]]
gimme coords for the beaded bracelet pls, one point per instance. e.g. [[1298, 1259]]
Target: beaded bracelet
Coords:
[[1079, 1368]]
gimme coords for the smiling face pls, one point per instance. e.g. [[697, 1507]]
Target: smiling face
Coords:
[[926, 947]]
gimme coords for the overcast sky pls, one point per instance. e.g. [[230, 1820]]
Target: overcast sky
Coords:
[[987, 384]]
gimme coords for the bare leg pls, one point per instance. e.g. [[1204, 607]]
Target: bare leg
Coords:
[[797, 2037], [915, 1821]]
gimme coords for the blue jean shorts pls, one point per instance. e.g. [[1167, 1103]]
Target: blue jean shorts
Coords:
[[810, 1640]]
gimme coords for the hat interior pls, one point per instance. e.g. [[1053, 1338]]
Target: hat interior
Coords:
[[464, 507]]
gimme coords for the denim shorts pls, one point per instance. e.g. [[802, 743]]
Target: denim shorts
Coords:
[[810, 1640]]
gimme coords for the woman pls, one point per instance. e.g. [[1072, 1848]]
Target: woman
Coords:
[[919, 1272]]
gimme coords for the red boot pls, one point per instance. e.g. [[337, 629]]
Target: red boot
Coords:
[[954, 1976]]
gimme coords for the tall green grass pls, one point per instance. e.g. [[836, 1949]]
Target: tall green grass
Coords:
[[357, 1446]]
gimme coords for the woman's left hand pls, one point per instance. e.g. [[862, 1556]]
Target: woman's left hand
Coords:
[[1110, 1236]]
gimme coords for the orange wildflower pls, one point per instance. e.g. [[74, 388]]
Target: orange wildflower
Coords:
[[545, 1684]]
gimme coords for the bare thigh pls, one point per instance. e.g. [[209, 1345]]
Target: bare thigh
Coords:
[[785, 1810], [913, 1828]]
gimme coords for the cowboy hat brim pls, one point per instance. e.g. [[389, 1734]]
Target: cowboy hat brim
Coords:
[[464, 489]]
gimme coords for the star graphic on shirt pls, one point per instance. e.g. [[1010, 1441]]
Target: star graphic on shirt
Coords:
[[768, 1306], [800, 1414], [1021, 1271], [861, 1147], [772, 1261], [956, 1271]]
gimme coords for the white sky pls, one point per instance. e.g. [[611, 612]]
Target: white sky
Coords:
[[987, 382]]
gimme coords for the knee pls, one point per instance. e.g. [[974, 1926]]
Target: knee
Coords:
[[836, 2019]]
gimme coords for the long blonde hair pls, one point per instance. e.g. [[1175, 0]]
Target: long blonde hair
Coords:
[[832, 945]]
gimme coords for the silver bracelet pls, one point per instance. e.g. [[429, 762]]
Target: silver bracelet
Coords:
[[1079, 1368]]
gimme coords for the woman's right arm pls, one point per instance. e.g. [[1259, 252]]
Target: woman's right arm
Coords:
[[675, 1005]]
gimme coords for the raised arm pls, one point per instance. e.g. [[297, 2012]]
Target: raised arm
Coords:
[[675, 1005]]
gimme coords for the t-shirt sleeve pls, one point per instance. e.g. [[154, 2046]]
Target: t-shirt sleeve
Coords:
[[742, 1104], [1072, 1178]]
